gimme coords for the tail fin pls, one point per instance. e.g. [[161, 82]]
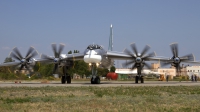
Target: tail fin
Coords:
[[110, 47]]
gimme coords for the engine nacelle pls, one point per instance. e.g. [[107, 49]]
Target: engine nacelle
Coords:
[[32, 61]]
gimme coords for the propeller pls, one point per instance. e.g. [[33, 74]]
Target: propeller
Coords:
[[56, 58], [176, 60], [138, 60], [23, 61]]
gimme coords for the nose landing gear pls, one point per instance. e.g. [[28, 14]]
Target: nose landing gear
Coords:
[[95, 79]]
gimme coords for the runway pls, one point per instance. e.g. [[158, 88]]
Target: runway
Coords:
[[103, 83]]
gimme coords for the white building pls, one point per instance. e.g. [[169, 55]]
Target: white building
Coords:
[[193, 70], [134, 71]]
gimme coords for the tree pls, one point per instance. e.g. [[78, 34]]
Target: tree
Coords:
[[102, 71], [76, 51], [46, 70], [112, 69], [8, 59], [80, 67], [36, 67], [70, 52], [8, 69]]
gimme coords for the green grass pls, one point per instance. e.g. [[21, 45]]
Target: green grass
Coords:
[[109, 99]]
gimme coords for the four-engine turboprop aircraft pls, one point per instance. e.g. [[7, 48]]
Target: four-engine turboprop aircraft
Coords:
[[96, 56]]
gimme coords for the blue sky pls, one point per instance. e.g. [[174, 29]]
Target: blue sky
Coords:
[[78, 23]]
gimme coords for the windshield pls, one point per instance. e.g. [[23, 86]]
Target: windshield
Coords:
[[92, 47]]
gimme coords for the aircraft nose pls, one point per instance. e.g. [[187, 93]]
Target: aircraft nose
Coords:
[[91, 52]]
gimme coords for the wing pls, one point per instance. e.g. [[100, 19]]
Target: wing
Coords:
[[158, 58], [192, 62], [124, 56], [75, 56], [118, 55], [40, 60], [9, 64]]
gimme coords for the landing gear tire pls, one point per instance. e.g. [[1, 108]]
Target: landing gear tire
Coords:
[[96, 80], [92, 81], [63, 80], [136, 79], [142, 79], [68, 79]]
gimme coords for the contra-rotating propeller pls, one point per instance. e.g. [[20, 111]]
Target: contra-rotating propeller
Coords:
[[57, 56], [138, 60], [176, 60], [23, 61]]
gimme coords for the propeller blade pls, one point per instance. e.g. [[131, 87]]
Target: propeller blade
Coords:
[[174, 49], [145, 50], [17, 65], [189, 57], [61, 47], [54, 48], [27, 67], [178, 68], [21, 67], [147, 65], [134, 48], [31, 55], [31, 49], [55, 68], [128, 63], [18, 53], [15, 56], [43, 56], [165, 63], [134, 66], [149, 55], [129, 53]]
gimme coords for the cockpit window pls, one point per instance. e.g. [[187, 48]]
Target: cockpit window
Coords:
[[94, 46]]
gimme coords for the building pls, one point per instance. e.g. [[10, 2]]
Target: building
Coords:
[[167, 71], [193, 70], [155, 65], [129, 71]]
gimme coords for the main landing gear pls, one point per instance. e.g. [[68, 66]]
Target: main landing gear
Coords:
[[139, 77], [95, 79], [65, 77]]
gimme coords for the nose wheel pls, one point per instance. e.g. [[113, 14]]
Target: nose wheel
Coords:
[[95, 79]]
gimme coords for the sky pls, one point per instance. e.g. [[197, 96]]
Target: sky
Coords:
[[78, 23]]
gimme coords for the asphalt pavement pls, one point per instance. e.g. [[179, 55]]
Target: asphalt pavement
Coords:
[[102, 84]]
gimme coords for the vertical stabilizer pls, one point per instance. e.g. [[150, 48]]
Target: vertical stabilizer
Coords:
[[110, 47]]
